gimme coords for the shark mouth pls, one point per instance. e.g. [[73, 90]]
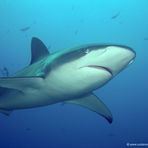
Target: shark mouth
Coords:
[[101, 67]]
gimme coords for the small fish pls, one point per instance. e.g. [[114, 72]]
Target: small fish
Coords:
[[7, 31], [115, 16], [72, 7], [111, 135], [146, 39], [28, 129], [63, 130], [25, 29], [76, 32]]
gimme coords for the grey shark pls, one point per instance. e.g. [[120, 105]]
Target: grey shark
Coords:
[[69, 76]]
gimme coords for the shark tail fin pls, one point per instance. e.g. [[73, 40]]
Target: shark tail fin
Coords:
[[5, 112]]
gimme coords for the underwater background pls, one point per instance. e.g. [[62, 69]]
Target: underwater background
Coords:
[[65, 24]]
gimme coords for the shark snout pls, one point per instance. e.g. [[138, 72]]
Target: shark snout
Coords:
[[111, 60], [128, 55], [131, 53], [120, 58]]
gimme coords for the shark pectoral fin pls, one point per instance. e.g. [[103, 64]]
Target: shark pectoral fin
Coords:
[[93, 103], [5, 112], [38, 50], [20, 83]]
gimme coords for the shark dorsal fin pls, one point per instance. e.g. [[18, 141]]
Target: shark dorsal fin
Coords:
[[38, 50]]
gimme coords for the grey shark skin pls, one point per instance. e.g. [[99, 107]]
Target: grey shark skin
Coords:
[[69, 76]]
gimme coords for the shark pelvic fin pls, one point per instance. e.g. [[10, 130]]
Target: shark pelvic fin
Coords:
[[38, 50], [20, 83], [93, 103]]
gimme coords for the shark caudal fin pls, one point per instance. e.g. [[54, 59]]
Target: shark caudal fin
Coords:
[[38, 50], [93, 103]]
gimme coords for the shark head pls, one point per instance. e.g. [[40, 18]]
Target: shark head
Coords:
[[87, 68]]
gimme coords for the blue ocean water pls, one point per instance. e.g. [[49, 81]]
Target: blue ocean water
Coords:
[[64, 24]]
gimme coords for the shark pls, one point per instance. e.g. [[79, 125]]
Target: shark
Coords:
[[68, 75]]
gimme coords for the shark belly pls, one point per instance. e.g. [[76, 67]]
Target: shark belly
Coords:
[[63, 84], [47, 93]]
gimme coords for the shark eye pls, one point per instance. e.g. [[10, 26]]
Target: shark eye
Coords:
[[87, 51]]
